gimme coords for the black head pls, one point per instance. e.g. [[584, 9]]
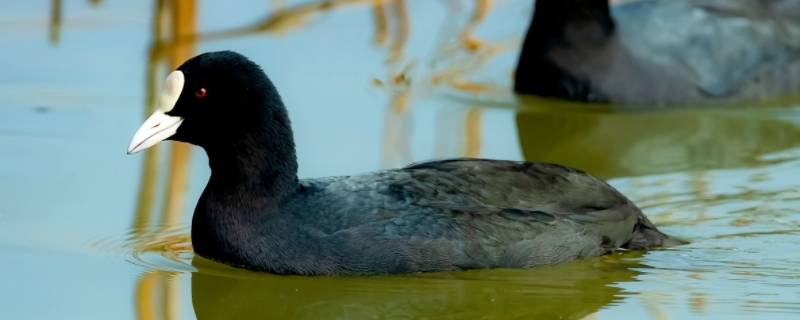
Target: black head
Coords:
[[572, 11], [554, 21], [213, 98], [562, 29]]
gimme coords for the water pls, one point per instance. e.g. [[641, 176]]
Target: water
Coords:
[[87, 232]]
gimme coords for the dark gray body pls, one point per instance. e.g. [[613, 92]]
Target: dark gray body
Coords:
[[432, 216], [662, 52], [739, 50]]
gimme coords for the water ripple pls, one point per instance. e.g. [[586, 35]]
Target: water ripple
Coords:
[[155, 248]]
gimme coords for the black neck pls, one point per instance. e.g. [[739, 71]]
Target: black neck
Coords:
[[250, 178], [260, 162], [552, 19], [584, 25]]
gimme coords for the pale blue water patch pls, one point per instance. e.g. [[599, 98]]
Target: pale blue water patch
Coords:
[[745, 230]]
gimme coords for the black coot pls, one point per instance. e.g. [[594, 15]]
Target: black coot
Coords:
[[662, 52], [440, 215]]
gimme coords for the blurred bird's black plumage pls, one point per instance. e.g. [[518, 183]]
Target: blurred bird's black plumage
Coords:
[[657, 52]]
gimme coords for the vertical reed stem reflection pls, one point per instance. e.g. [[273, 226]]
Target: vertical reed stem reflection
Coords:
[[381, 23], [55, 21], [148, 182], [146, 308], [159, 291], [401, 30], [397, 131], [171, 296], [147, 191], [153, 287], [472, 145], [482, 8], [184, 26]]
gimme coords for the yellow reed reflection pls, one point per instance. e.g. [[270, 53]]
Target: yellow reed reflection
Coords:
[[55, 21], [172, 20], [458, 55], [157, 294], [462, 55]]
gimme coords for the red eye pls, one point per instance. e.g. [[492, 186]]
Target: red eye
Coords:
[[201, 93]]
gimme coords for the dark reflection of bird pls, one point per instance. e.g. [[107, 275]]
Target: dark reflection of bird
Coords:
[[431, 216], [571, 291], [634, 144], [654, 52]]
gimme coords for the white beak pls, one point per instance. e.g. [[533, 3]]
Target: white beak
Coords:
[[157, 127], [160, 126]]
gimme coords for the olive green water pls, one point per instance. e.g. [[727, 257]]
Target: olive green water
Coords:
[[87, 232]]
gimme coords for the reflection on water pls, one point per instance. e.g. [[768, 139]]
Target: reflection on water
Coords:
[[173, 41], [744, 225], [635, 144], [55, 21], [438, 86], [571, 291]]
